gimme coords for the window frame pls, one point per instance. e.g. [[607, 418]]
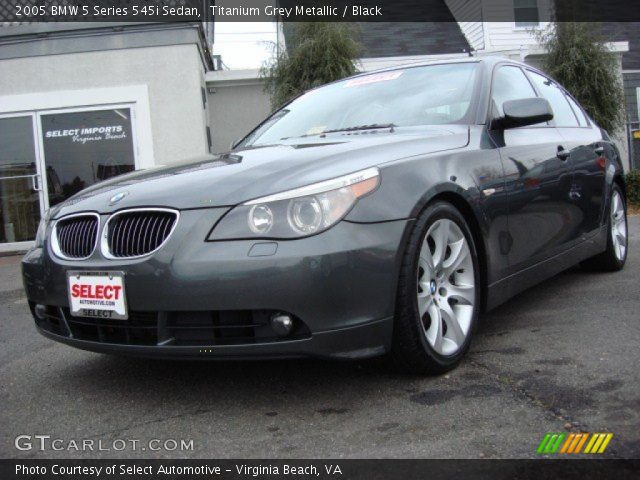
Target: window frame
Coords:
[[580, 107], [553, 122]]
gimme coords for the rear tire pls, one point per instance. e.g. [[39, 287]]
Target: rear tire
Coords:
[[615, 256], [438, 293]]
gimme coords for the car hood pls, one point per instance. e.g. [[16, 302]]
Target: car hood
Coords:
[[245, 174]]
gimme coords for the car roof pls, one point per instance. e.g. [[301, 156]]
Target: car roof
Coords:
[[489, 60]]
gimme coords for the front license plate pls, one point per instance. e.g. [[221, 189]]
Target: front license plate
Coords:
[[97, 294]]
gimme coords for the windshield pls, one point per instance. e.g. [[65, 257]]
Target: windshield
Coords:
[[430, 95]]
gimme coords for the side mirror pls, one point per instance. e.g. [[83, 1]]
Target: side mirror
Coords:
[[523, 112]]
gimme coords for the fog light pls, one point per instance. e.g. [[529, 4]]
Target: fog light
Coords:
[[40, 311], [282, 324]]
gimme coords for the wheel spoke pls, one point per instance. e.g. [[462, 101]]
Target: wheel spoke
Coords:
[[459, 253], [440, 237], [621, 244], [454, 331], [464, 294], [426, 259], [424, 302], [615, 203], [434, 333]]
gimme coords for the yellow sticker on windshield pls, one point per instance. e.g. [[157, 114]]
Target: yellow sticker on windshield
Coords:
[[316, 130], [375, 78]]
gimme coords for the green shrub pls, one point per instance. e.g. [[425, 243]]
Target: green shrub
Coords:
[[632, 181], [317, 53], [580, 60]]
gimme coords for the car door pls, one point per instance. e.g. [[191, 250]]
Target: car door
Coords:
[[541, 221], [584, 156], [588, 162]]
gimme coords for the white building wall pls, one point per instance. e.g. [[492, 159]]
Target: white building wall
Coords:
[[474, 32], [173, 76], [470, 15], [501, 32], [234, 110], [506, 36]]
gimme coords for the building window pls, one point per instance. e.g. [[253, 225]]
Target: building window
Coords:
[[526, 13]]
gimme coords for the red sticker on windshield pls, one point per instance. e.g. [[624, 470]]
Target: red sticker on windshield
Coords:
[[375, 78]]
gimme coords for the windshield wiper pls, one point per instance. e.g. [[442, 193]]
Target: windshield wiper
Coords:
[[372, 126]]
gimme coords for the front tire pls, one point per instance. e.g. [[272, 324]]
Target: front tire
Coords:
[[615, 256], [438, 293]]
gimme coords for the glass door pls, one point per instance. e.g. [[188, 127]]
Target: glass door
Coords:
[[81, 147], [21, 197], [47, 156]]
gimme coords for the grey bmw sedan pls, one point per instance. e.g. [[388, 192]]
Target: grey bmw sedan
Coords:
[[380, 214]]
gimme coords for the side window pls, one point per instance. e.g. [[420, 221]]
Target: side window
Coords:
[[563, 115], [582, 118], [510, 83]]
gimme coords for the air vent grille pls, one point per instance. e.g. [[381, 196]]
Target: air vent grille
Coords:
[[75, 237], [136, 233]]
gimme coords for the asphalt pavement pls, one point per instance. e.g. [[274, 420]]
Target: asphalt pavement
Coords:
[[561, 357]]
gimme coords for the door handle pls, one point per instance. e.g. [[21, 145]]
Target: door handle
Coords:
[[599, 150], [562, 154]]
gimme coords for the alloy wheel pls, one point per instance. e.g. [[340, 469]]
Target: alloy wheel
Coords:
[[618, 226], [446, 287]]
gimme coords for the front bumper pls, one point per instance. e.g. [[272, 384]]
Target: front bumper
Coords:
[[340, 284], [362, 341]]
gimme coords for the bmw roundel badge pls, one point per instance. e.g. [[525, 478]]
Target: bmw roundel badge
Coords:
[[117, 197]]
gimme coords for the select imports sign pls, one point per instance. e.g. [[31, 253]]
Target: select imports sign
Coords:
[[89, 134]]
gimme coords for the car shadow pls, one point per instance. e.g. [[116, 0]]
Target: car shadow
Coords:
[[112, 373]]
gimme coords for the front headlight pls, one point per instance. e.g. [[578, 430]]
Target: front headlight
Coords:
[[297, 213], [42, 230]]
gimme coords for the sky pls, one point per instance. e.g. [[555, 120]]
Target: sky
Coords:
[[244, 44]]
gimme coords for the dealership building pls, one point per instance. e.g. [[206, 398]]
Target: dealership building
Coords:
[[80, 103]]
